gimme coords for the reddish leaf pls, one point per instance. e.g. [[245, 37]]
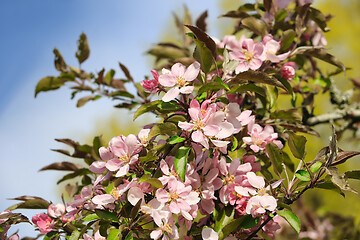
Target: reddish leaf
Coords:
[[200, 22], [63, 166], [344, 156], [206, 39]]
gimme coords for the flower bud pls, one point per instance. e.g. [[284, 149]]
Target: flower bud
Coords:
[[150, 85], [288, 70], [56, 210]]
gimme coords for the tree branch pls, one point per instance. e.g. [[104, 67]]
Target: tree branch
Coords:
[[349, 113]]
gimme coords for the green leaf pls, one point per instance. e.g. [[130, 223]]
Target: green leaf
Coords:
[[135, 210], [297, 145], [212, 86], [287, 39], [82, 101], [248, 88], [223, 218], [202, 54], [244, 222], [259, 77], [154, 182], [106, 215], [83, 51], [272, 94], [303, 175], [321, 54], [75, 235], [330, 186], [181, 157], [114, 234], [176, 139], [353, 174], [148, 107], [291, 115], [91, 217], [77, 173], [291, 218], [168, 51], [59, 61], [280, 15], [276, 156], [109, 76], [255, 25], [339, 180], [316, 166], [48, 83], [162, 129], [318, 17], [29, 202]]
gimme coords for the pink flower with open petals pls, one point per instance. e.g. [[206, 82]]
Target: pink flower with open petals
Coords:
[[271, 48], [56, 210], [178, 78], [44, 222], [251, 56], [180, 197], [260, 137], [151, 85], [125, 149]]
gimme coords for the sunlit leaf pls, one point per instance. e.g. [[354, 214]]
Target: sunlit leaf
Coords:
[[297, 145], [291, 218], [181, 158], [48, 83], [83, 51], [303, 175]]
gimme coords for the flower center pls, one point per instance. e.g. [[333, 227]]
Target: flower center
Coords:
[[180, 81], [174, 196], [125, 158], [174, 173], [115, 193], [248, 56], [230, 179], [167, 228]]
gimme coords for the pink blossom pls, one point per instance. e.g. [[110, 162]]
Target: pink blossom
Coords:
[[178, 78], [258, 205], [44, 222], [319, 40], [179, 197], [207, 122], [167, 228], [271, 48], [144, 136], [56, 210], [151, 85], [156, 210], [250, 56], [100, 166], [97, 236], [125, 149], [288, 70], [233, 175], [14, 237], [260, 137], [209, 234], [168, 169]]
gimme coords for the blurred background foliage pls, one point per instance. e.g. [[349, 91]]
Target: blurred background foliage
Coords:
[[343, 42]]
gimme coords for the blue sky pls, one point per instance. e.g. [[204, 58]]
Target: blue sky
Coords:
[[117, 31]]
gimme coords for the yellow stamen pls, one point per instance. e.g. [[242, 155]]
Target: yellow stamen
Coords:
[[180, 81]]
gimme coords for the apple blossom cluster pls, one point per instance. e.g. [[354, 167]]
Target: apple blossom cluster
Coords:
[[212, 180]]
